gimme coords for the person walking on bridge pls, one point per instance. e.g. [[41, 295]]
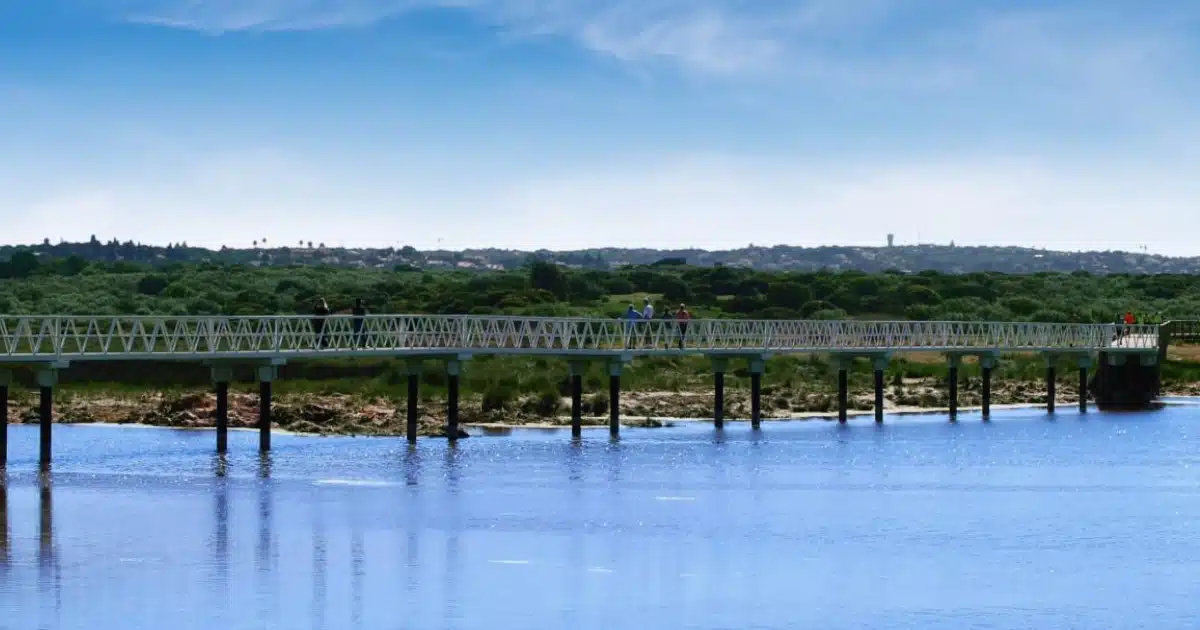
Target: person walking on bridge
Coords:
[[647, 317], [320, 313], [682, 316], [360, 313], [631, 318]]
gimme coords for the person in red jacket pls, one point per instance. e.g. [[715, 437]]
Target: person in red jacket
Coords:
[[683, 317]]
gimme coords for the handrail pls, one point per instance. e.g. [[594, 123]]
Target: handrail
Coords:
[[72, 337]]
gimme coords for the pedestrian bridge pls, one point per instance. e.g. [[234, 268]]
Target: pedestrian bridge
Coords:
[[64, 338], [1127, 355]]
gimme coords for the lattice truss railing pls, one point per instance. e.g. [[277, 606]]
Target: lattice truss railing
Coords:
[[117, 337]]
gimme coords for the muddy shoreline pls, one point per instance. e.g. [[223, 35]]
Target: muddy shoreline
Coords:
[[307, 413]]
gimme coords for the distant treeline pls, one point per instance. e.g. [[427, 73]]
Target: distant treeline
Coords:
[[907, 258], [36, 285]]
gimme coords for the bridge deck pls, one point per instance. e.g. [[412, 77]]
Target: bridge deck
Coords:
[[75, 338], [1135, 341]]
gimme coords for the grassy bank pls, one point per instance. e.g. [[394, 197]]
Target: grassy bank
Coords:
[[369, 397]]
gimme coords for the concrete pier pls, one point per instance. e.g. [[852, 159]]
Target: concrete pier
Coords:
[[1126, 381], [1084, 364], [880, 371], [843, 398], [221, 377], [577, 370], [955, 362], [222, 417], [266, 376], [614, 399], [453, 370], [1051, 382], [757, 367], [414, 390], [46, 379], [719, 367], [988, 364]]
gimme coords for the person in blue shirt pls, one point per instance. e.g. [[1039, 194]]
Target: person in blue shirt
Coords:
[[631, 319]]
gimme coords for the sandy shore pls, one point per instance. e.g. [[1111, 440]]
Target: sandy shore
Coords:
[[350, 415]]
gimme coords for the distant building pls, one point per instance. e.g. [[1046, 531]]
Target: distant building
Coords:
[[891, 240]]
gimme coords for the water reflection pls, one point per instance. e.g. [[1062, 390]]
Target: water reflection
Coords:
[[5, 530], [264, 465], [319, 566], [46, 519], [49, 568], [358, 573], [690, 527], [450, 613], [612, 459], [574, 460], [220, 465], [264, 551], [220, 545], [450, 467], [412, 465]]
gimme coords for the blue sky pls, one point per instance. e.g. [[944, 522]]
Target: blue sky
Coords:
[[563, 124]]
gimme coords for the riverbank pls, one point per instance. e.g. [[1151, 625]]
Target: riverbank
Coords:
[[355, 414]]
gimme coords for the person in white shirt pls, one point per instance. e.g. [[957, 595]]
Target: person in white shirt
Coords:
[[647, 317]]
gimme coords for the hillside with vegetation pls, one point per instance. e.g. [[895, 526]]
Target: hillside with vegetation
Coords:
[[73, 285]]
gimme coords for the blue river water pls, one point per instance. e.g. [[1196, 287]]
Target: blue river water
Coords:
[[1027, 521]]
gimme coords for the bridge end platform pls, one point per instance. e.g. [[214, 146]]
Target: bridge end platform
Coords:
[[1127, 381]]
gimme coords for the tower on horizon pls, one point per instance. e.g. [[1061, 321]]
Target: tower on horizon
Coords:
[[891, 240]]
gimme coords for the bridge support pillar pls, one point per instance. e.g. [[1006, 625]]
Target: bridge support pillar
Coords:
[[266, 375], [1084, 364], [414, 387], [614, 399], [843, 399], [453, 371], [988, 363], [221, 377], [955, 362], [5, 382], [719, 367], [881, 364], [757, 367], [577, 370], [1051, 381], [47, 378]]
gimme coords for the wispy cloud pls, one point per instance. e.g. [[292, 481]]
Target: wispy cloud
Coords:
[[868, 42], [714, 36]]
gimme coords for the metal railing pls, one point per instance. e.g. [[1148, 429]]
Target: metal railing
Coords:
[[1185, 330], [73, 337]]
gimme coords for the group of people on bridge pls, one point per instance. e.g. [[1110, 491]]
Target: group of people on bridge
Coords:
[[321, 312], [1130, 318], [633, 317], [636, 330]]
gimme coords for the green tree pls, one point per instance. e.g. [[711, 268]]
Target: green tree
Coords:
[[548, 277]]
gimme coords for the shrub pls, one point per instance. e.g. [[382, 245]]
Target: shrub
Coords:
[[498, 398], [596, 405], [548, 404]]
